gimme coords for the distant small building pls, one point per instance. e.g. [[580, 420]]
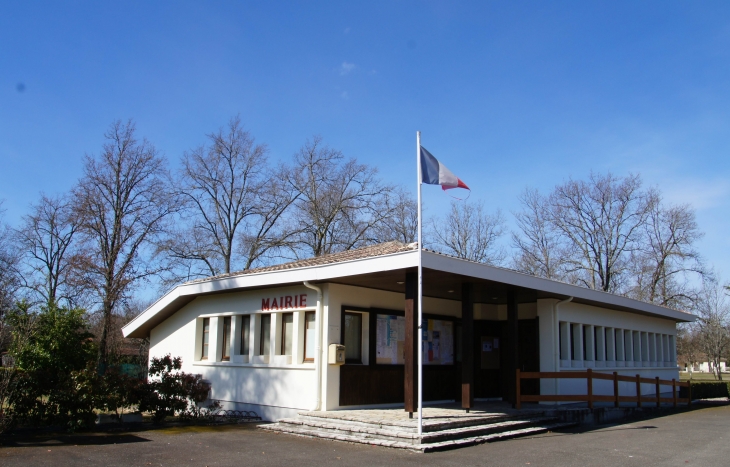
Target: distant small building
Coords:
[[706, 367]]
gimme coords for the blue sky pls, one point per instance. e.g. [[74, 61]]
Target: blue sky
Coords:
[[507, 94]]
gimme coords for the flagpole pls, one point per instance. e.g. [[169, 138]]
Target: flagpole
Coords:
[[420, 293]]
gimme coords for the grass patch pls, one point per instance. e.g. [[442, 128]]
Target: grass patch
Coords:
[[684, 376]]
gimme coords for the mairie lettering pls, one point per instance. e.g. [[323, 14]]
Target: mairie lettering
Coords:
[[283, 303]]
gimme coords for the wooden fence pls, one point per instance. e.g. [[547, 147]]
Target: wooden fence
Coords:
[[589, 375]]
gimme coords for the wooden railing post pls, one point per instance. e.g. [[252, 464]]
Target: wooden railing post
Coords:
[[590, 388], [658, 402], [518, 396], [615, 389], [674, 392], [638, 390], [689, 393]]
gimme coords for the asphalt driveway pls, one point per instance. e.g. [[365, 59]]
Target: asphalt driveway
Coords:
[[694, 438]]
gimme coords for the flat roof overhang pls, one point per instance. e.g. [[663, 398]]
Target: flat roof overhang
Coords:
[[442, 278]]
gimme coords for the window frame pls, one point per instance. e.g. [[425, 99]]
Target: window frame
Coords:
[[205, 343], [264, 350], [226, 340], [305, 358], [356, 361], [282, 347], [245, 335]]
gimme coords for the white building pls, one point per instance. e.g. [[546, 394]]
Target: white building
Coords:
[[254, 335]]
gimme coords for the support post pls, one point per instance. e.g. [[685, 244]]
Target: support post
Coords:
[[658, 402], [411, 362], [638, 390], [512, 340], [467, 346], [674, 392], [589, 381], [518, 399], [689, 394], [615, 389]]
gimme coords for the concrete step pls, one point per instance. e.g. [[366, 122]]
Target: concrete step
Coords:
[[486, 429], [502, 436], [332, 426], [410, 426], [369, 439]]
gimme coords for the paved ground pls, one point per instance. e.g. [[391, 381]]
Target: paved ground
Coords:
[[695, 438]]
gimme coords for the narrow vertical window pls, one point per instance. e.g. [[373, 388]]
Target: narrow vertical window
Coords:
[[265, 348], [287, 332], [245, 333], [353, 337], [309, 336], [206, 336], [226, 344]]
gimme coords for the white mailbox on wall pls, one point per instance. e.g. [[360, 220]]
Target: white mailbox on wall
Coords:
[[336, 354]]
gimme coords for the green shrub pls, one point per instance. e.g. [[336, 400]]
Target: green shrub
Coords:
[[170, 391], [707, 390]]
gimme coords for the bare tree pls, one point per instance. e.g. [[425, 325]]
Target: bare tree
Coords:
[[235, 202], [713, 312], [688, 345], [402, 225], [602, 221], [538, 247], [468, 232], [46, 237], [9, 273], [122, 201], [667, 258], [339, 201]]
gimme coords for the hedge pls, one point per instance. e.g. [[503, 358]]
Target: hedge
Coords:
[[707, 390]]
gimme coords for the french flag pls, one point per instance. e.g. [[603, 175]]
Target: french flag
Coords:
[[434, 172]]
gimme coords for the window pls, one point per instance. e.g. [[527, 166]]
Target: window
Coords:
[[287, 332], [353, 337], [206, 336], [226, 344], [245, 333], [309, 336], [264, 347]]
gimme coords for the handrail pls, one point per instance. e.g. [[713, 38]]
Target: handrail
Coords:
[[589, 375]]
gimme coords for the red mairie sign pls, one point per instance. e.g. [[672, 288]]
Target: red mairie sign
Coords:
[[285, 302]]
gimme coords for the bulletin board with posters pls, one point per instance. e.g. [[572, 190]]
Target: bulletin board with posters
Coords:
[[390, 337]]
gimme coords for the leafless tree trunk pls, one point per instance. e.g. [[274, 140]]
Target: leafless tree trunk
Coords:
[[339, 201], [468, 232], [667, 256], [123, 200], [46, 237], [235, 202], [713, 313], [538, 246], [602, 220]]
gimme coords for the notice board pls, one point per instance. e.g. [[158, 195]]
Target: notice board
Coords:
[[390, 336]]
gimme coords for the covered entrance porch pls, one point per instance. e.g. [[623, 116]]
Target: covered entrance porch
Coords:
[[469, 355]]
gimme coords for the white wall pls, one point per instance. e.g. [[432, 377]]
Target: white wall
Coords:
[[273, 390], [654, 337]]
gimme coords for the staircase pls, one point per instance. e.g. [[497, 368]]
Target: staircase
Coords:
[[436, 436]]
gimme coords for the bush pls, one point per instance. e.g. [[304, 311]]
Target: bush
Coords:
[[51, 351], [707, 390], [171, 391]]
